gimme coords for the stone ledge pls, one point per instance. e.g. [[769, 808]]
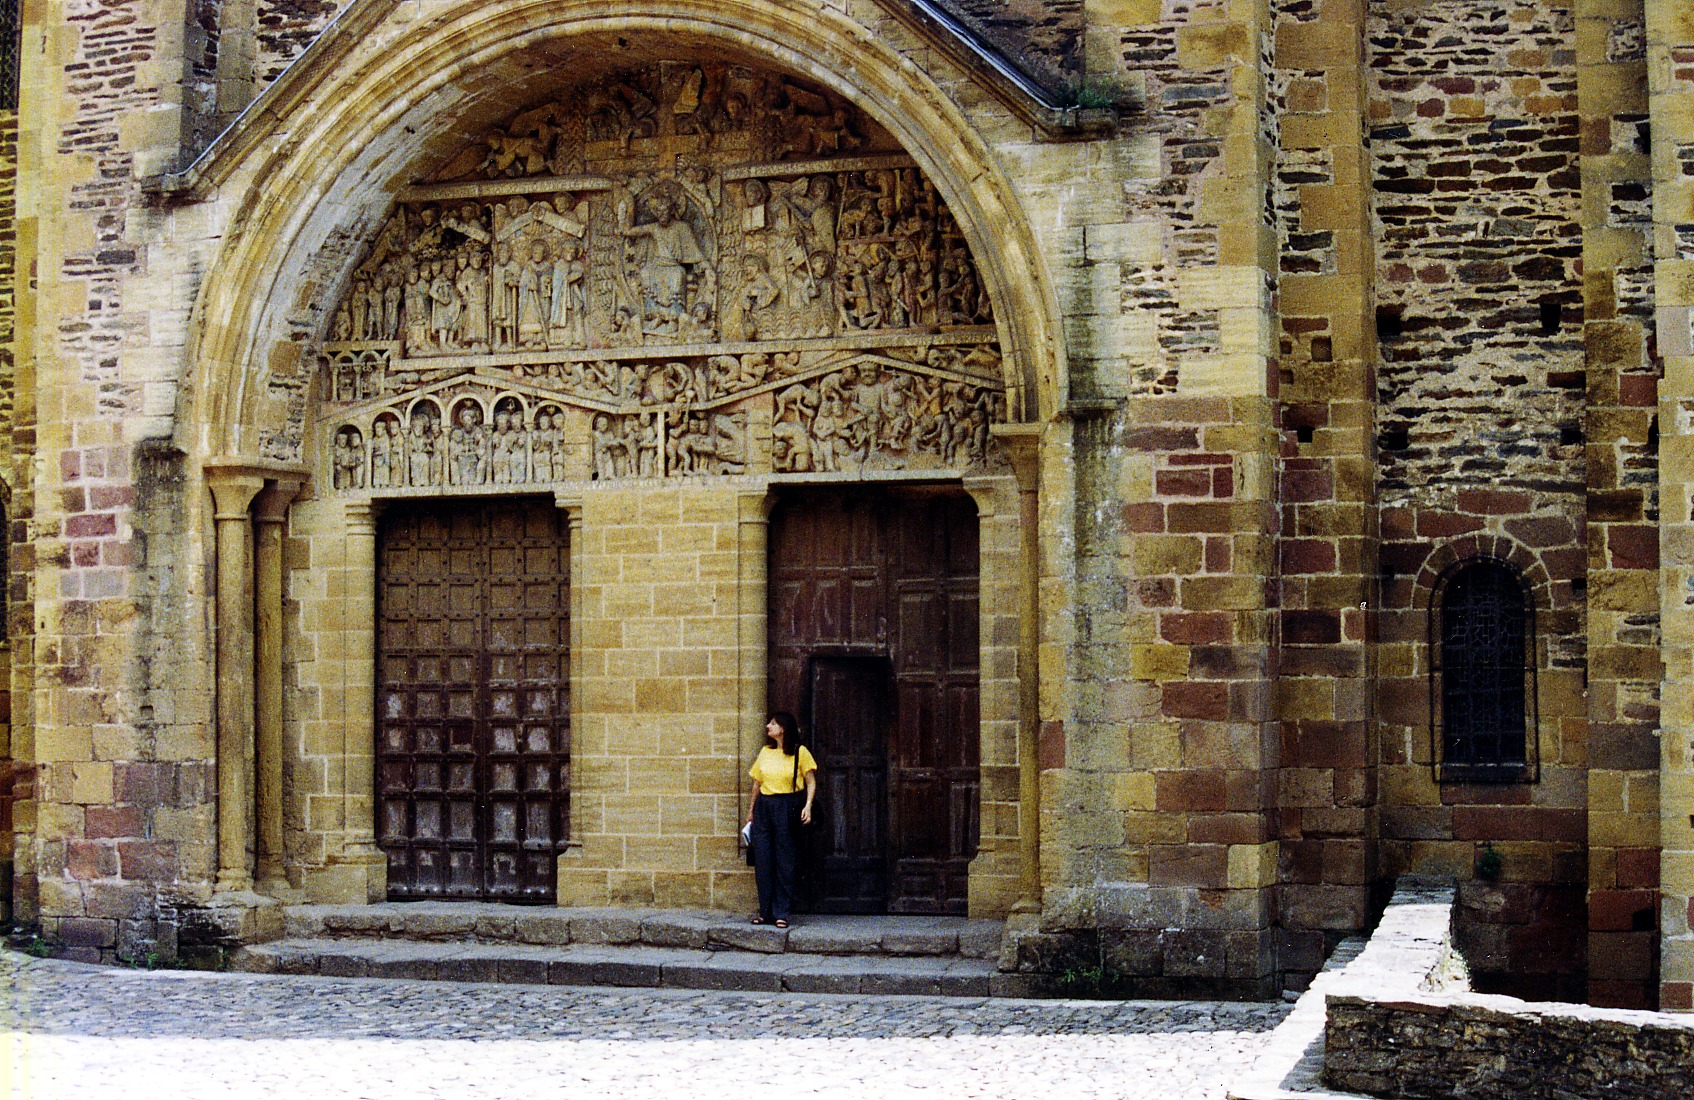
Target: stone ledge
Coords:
[[483, 922], [634, 966]]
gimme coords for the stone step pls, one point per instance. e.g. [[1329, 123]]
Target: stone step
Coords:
[[636, 966], [445, 921]]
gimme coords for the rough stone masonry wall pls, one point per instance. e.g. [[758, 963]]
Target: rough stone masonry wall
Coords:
[[110, 823], [1620, 431], [1474, 147], [1327, 790], [1158, 855], [1496, 1048], [8, 276]]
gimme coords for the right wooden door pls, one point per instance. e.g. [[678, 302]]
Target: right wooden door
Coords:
[[874, 643]]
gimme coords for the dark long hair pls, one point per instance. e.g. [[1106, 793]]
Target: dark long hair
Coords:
[[790, 732]]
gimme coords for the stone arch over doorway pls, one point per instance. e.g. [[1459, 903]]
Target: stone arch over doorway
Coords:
[[308, 235]]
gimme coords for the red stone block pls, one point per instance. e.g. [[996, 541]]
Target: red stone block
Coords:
[[1622, 910], [1633, 546], [1308, 556], [1638, 868], [1183, 483], [1318, 627], [1052, 745], [148, 860], [1306, 486], [1445, 525], [1493, 502], [1205, 865], [70, 465], [88, 859], [1144, 518], [111, 496], [1197, 627], [85, 555], [1518, 823], [1204, 458], [109, 822], [1639, 391], [1159, 437], [1189, 791], [1227, 828], [1223, 483], [1219, 555], [1636, 994], [91, 525], [1542, 531], [1195, 699], [1676, 996]]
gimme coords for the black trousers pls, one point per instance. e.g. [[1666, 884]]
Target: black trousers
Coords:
[[776, 826]]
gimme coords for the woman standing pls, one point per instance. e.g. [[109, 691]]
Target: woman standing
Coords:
[[785, 780]]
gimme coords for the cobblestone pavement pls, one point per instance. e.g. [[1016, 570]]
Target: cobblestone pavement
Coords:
[[83, 1032]]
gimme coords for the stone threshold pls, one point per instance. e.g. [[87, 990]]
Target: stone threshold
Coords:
[[637, 966], [549, 926]]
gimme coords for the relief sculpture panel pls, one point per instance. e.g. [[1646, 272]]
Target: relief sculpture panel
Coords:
[[682, 270]]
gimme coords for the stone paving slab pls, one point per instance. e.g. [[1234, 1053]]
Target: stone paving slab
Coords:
[[495, 923], [70, 1030]]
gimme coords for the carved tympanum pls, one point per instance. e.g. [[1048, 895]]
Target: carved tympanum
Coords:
[[687, 269]]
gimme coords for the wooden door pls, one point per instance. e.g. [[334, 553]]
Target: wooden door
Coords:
[[874, 643], [473, 699]]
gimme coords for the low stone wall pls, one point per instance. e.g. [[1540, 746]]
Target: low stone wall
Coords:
[[1482, 1047], [1395, 1017]]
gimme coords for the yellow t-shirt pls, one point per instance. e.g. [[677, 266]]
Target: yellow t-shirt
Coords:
[[774, 770]]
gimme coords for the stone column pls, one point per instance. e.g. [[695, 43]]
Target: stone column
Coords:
[[1021, 444], [233, 489], [270, 514], [358, 722]]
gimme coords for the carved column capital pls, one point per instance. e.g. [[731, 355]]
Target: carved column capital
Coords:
[[755, 505], [1021, 444], [278, 493]]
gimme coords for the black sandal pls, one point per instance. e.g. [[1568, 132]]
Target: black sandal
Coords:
[[779, 924], [757, 920]]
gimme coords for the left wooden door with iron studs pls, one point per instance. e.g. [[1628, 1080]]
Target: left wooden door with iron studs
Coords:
[[473, 698]]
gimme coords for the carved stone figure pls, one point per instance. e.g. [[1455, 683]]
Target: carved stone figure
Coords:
[[467, 446], [382, 454], [691, 273], [349, 460]]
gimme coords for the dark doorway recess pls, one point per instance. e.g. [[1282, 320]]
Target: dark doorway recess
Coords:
[[874, 644], [473, 698]]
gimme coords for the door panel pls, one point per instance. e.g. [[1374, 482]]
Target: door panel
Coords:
[[850, 862], [884, 578], [473, 701]]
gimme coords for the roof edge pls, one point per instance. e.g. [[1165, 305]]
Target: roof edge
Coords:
[[1032, 99]]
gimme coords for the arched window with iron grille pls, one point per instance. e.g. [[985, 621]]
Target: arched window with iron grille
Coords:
[[9, 49], [1482, 676]]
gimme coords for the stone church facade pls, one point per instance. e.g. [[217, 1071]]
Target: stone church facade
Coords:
[[1187, 463]]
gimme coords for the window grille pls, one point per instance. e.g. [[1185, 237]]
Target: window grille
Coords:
[[9, 50], [1482, 675]]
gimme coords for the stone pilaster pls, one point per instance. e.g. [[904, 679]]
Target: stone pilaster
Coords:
[[1670, 89]]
